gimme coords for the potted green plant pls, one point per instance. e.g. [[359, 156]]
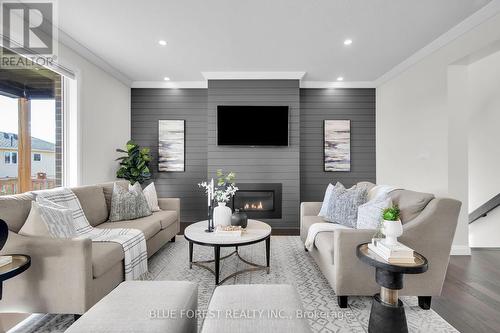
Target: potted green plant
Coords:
[[135, 165], [392, 227]]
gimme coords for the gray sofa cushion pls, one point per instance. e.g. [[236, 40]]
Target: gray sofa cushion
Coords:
[[149, 225], [410, 203], [14, 209], [93, 203]]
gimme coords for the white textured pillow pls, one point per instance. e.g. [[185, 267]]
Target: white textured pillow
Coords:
[[151, 197], [34, 225], [49, 219], [326, 200], [370, 213]]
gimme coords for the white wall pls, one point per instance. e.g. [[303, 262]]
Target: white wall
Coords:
[[422, 133], [103, 120], [484, 147]]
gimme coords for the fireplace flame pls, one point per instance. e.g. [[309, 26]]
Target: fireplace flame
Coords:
[[253, 205]]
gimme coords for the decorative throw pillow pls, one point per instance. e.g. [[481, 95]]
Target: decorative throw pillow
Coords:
[[343, 207], [328, 194], [47, 219], [370, 213], [151, 197], [128, 204], [34, 225], [330, 204]]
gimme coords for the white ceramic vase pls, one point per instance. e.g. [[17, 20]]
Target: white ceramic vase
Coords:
[[222, 214], [392, 230]]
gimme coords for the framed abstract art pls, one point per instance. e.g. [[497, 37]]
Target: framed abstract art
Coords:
[[337, 145], [171, 145]]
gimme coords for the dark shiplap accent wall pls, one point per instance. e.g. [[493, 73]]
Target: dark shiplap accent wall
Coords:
[[299, 167], [271, 164], [150, 105], [317, 105]]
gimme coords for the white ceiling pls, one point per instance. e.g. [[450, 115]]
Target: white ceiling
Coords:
[[258, 35]]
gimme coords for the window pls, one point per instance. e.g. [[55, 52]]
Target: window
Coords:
[[10, 157], [31, 125]]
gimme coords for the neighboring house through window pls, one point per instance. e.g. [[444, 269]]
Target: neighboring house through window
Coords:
[[31, 125], [10, 157]]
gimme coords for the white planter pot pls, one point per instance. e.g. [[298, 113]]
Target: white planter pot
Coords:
[[392, 230], [222, 214]]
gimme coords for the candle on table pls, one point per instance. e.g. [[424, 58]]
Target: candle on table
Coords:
[[212, 187]]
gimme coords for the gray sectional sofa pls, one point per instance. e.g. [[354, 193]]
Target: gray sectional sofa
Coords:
[[429, 225], [69, 276]]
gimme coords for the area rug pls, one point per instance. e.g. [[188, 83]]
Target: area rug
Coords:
[[290, 264]]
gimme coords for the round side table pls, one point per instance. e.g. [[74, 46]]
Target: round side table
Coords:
[[20, 263], [387, 312]]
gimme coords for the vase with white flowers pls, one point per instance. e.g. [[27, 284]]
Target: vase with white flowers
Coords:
[[222, 194]]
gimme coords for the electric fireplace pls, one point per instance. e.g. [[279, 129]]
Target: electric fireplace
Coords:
[[259, 200]]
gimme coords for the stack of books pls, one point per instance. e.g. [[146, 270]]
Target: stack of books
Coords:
[[393, 254], [229, 231], [5, 260]]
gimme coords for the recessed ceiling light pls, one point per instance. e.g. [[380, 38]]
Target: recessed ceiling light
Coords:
[[162, 42], [340, 78], [166, 78], [348, 42]]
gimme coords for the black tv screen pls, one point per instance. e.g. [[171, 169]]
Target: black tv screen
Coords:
[[252, 125]]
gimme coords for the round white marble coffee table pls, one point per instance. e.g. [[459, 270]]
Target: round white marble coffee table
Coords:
[[256, 231]]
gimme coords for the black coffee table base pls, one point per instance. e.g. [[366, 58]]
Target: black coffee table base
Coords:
[[217, 258]]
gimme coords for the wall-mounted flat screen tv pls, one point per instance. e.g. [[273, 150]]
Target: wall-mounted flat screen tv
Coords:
[[252, 125]]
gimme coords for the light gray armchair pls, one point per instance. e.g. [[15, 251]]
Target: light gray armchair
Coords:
[[429, 225]]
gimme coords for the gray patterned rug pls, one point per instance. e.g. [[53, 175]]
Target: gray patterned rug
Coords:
[[289, 264]]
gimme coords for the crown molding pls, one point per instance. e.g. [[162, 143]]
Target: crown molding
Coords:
[[204, 84], [337, 84], [170, 84], [479, 17], [253, 75], [91, 57]]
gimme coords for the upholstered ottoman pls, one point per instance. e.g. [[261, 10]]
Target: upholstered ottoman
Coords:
[[143, 306], [254, 308]]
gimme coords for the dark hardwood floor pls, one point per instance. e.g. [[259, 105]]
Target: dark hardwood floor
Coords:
[[470, 300]]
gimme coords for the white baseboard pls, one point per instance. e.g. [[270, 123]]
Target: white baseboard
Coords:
[[460, 250]]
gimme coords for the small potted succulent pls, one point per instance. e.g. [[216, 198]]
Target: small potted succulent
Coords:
[[392, 227]]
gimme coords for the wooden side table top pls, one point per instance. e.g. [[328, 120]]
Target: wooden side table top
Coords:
[[372, 259], [20, 263]]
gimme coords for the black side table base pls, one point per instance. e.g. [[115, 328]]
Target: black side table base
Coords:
[[387, 318]]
